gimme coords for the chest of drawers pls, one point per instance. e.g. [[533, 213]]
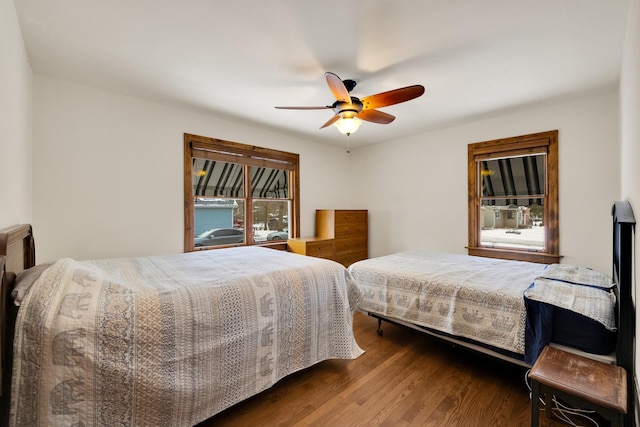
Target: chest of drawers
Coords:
[[349, 231]]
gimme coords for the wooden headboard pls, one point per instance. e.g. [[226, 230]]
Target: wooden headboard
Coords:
[[17, 253]]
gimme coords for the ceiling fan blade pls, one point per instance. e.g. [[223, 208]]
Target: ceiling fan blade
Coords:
[[376, 116], [338, 89], [305, 108], [331, 121], [392, 97]]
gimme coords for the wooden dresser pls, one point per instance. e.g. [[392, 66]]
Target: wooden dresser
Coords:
[[312, 246], [349, 231], [341, 235]]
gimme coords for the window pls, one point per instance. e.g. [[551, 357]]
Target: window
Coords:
[[237, 194], [513, 198]]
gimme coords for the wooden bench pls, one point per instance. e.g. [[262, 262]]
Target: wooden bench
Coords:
[[578, 381]]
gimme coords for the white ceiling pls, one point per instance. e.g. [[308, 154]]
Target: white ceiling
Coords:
[[238, 59]]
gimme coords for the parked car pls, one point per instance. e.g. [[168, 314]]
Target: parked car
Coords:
[[219, 236], [278, 235]]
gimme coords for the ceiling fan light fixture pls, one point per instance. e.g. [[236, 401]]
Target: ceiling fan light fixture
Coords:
[[348, 125], [349, 111]]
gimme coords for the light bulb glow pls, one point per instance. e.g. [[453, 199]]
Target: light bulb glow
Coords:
[[348, 126]]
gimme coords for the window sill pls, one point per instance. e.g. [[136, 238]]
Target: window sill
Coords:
[[538, 257], [276, 244]]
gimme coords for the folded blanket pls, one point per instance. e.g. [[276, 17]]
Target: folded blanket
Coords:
[[577, 275], [578, 289], [593, 302]]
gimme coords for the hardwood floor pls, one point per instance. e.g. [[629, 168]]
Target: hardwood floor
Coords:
[[404, 378]]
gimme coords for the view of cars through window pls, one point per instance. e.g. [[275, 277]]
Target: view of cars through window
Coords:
[[229, 236], [219, 236], [222, 221]]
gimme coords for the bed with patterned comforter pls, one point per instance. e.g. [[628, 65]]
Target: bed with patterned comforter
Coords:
[[173, 340], [482, 300]]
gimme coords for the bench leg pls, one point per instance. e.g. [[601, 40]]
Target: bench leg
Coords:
[[548, 404], [535, 403]]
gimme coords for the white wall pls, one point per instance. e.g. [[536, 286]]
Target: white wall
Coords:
[[630, 131], [108, 171], [416, 188], [630, 110], [15, 121]]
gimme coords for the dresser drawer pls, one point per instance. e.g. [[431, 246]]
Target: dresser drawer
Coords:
[[354, 229], [350, 217], [350, 244], [321, 248]]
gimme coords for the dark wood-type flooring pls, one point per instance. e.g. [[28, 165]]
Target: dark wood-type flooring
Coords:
[[404, 378]]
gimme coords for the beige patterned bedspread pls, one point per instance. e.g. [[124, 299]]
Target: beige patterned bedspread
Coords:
[[172, 340], [472, 297]]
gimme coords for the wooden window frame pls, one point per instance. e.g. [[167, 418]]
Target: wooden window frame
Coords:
[[544, 142], [248, 155]]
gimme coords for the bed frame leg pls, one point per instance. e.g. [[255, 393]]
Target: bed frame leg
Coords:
[[379, 330]]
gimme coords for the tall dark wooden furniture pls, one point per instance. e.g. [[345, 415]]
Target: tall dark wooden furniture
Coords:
[[624, 224], [17, 253]]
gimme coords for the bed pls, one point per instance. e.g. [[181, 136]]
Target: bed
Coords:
[[509, 309], [508, 306], [166, 340]]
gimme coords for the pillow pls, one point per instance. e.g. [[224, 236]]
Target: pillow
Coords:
[[25, 279]]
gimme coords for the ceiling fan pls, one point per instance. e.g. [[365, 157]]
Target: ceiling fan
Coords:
[[350, 111]]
